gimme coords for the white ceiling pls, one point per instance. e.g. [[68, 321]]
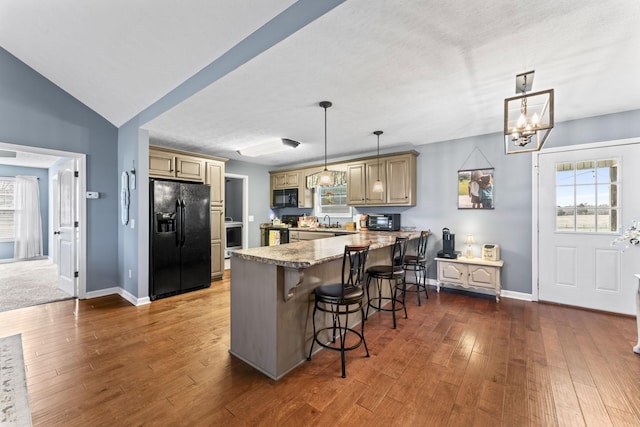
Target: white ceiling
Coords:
[[421, 71]]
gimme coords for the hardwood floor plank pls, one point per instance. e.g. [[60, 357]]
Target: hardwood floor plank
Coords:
[[593, 410], [458, 360]]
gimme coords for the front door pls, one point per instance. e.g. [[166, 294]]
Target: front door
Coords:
[[586, 198], [68, 231]]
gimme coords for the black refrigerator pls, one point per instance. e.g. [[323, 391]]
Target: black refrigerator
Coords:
[[180, 253]]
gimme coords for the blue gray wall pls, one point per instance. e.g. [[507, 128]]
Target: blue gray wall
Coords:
[[6, 248], [510, 223], [35, 112]]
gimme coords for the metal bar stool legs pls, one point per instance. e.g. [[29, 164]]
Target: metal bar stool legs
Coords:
[[394, 274], [338, 301]]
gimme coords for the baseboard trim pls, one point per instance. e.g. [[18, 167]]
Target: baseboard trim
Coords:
[[119, 291], [516, 295], [504, 293]]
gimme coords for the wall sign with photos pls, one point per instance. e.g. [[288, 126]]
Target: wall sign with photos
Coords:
[[475, 189]]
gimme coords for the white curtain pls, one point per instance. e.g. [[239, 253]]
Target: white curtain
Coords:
[[28, 225]]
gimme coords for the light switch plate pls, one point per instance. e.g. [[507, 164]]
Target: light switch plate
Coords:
[[92, 194]]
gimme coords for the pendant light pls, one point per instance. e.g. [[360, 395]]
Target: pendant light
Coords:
[[326, 177], [377, 186]]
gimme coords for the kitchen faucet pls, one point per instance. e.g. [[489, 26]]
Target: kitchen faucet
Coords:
[[325, 220]]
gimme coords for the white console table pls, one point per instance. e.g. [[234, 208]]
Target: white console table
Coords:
[[470, 273], [636, 349]]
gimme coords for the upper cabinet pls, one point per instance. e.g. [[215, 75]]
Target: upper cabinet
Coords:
[[167, 164], [398, 176], [289, 179], [215, 178], [396, 171]]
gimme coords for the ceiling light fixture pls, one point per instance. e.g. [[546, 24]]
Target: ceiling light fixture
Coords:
[[528, 118], [268, 147], [326, 177], [377, 186], [6, 153]]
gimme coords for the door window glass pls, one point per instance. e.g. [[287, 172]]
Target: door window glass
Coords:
[[587, 196]]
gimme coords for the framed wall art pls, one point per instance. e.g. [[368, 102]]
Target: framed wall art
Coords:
[[476, 189]]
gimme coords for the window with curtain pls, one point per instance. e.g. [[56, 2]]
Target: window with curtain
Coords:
[[27, 241], [6, 208]]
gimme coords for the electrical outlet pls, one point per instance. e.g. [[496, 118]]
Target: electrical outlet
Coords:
[[129, 273], [133, 223], [250, 218]]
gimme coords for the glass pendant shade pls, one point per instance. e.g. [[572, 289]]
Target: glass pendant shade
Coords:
[[326, 177], [377, 186]]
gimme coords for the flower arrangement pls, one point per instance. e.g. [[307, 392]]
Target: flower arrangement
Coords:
[[631, 236]]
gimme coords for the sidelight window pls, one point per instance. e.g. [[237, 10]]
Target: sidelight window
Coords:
[[587, 196]]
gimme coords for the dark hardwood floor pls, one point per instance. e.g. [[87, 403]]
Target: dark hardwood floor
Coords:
[[459, 360]]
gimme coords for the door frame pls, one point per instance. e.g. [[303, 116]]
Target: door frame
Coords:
[[81, 207], [535, 184], [245, 206]]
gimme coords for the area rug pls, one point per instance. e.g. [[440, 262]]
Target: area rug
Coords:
[[27, 283], [14, 398]]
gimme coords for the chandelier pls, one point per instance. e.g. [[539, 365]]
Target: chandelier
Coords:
[[528, 118]]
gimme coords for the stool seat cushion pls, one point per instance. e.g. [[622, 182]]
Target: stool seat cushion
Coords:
[[333, 292], [385, 270], [414, 259]]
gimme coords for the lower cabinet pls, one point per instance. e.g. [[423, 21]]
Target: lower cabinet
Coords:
[[299, 236], [217, 243], [470, 273]]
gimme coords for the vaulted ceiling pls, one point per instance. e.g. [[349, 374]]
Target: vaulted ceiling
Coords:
[[420, 70]]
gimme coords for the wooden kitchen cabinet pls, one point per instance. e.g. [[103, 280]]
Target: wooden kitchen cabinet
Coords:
[[217, 243], [290, 179], [215, 178], [169, 164], [470, 273], [397, 173], [401, 180], [398, 176]]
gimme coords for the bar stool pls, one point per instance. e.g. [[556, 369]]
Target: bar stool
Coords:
[[392, 273], [417, 263], [340, 300]]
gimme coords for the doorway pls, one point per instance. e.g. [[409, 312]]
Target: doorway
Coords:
[[236, 211], [586, 197], [66, 242]]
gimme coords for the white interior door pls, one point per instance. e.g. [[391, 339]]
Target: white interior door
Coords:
[[586, 197], [55, 219], [68, 231]]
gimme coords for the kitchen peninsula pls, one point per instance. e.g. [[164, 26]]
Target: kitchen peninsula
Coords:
[[271, 295]]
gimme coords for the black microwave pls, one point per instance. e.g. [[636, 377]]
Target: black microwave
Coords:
[[287, 198], [383, 222]]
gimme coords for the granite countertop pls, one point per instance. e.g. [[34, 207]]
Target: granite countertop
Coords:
[[312, 252], [324, 229]]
